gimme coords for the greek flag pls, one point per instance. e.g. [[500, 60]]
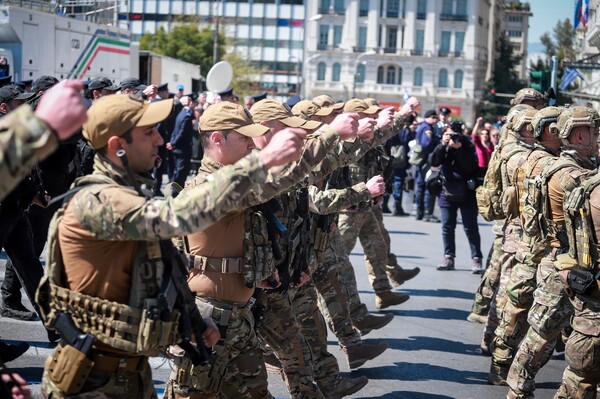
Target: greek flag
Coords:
[[569, 77]]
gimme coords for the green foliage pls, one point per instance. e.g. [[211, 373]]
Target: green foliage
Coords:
[[186, 43], [245, 75]]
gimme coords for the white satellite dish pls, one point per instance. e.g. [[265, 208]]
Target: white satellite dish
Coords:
[[219, 77]]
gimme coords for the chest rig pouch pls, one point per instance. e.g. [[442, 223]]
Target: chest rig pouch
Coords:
[[262, 230], [144, 326]]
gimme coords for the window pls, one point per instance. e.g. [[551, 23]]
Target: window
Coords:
[[418, 79], [458, 78], [420, 40], [393, 8], [445, 45], [325, 6], [323, 35], [514, 33], [335, 72], [339, 6], [380, 74], [399, 76], [447, 7], [391, 75], [337, 35], [422, 9], [361, 70], [321, 68], [443, 78], [461, 7], [362, 38], [459, 43], [515, 18], [364, 8], [392, 38]]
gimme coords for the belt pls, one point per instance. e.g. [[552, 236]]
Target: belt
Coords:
[[222, 311], [114, 363], [222, 265]]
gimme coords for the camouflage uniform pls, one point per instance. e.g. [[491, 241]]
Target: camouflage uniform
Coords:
[[550, 311], [24, 141], [515, 152], [239, 369], [110, 211]]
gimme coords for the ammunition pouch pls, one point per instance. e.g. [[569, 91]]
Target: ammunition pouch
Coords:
[[510, 203], [221, 312], [119, 326], [258, 262], [68, 369], [581, 281]]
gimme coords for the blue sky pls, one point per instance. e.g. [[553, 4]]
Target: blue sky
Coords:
[[545, 15]]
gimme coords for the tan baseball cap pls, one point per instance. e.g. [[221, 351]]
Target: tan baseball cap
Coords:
[[271, 110], [358, 105], [229, 116], [371, 102], [306, 109], [324, 101], [117, 114]]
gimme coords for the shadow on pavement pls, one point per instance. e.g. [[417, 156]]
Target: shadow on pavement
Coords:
[[412, 233], [397, 256], [442, 293], [433, 344], [436, 314], [405, 371], [33, 375], [410, 395]]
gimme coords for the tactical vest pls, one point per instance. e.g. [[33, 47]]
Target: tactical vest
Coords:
[[132, 327], [491, 202], [534, 200], [582, 242], [258, 262]]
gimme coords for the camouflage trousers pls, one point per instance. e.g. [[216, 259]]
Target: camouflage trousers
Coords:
[[313, 328], [333, 297], [238, 370], [503, 346], [280, 331], [347, 276], [582, 351], [549, 314], [101, 384], [491, 278], [364, 225], [392, 261]]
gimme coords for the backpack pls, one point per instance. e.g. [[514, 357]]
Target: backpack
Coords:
[[399, 156], [534, 203], [490, 195], [582, 245]]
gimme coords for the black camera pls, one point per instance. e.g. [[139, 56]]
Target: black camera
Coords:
[[455, 137]]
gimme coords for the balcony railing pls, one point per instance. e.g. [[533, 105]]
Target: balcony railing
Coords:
[[454, 17], [419, 51], [390, 50], [443, 53], [359, 49], [392, 14]]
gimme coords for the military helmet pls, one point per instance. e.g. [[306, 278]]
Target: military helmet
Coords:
[[514, 113], [573, 117], [523, 118], [527, 94], [543, 117]]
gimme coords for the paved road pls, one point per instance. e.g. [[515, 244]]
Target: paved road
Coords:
[[434, 351]]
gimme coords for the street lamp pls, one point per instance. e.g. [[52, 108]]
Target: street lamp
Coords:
[[358, 62]]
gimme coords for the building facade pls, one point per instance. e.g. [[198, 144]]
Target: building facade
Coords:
[[268, 32], [516, 26], [436, 50]]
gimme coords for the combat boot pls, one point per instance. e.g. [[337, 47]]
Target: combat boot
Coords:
[[347, 386], [372, 322], [399, 276], [357, 355], [273, 365], [388, 298]]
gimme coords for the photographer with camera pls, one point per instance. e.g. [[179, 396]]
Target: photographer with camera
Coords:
[[458, 163]]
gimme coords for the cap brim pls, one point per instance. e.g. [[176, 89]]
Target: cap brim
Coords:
[[311, 125], [25, 96], [112, 88], [155, 112], [371, 110], [338, 106], [324, 111], [252, 130], [293, 121]]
